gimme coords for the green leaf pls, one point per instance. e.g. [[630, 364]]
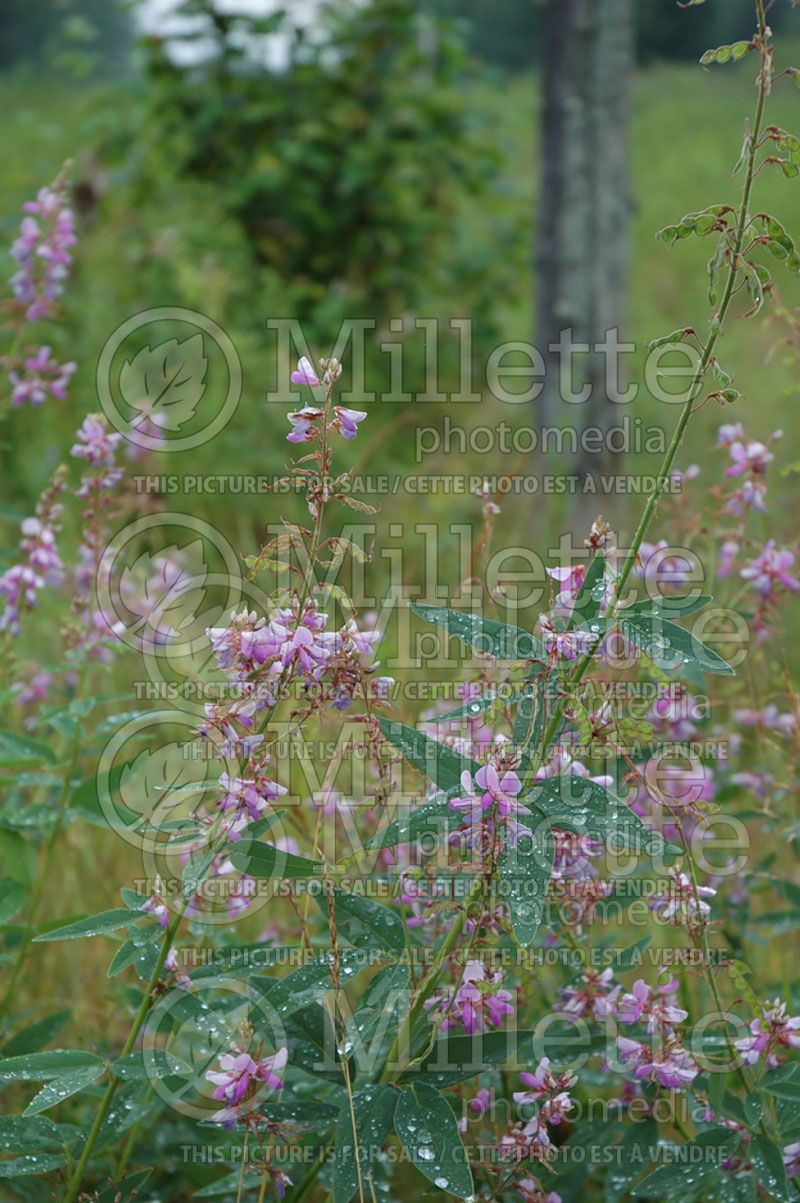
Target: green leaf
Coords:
[[456, 1057], [20, 751], [12, 895], [524, 872], [93, 925], [582, 805], [63, 1087], [265, 860], [373, 1110], [691, 1163], [425, 1124], [365, 922], [633, 1154], [486, 636], [31, 1163], [768, 1167], [42, 1067], [439, 764], [36, 1035], [17, 856], [429, 819], [18, 1135], [144, 1066], [669, 646], [680, 606], [590, 595], [195, 871]]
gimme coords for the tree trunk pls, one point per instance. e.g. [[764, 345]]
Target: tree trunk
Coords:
[[585, 206]]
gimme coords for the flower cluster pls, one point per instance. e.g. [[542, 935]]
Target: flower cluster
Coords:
[[43, 252], [21, 583], [237, 1082], [548, 1092], [38, 377], [769, 1033], [309, 422], [662, 1059], [479, 1000]]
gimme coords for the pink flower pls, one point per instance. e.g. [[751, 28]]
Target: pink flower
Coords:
[[748, 457], [42, 252], [476, 1002], [768, 1034], [41, 377], [305, 373], [791, 1159], [769, 569], [303, 424], [727, 554], [237, 1079], [347, 420]]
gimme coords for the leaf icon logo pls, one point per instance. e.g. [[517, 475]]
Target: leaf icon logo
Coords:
[[155, 783], [166, 383]]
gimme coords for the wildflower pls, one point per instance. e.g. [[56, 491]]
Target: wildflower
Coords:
[[488, 796], [42, 252], [305, 373], [156, 906], [770, 1032], [748, 457], [727, 554], [98, 446], [21, 583], [41, 376], [651, 1006], [791, 1159], [303, 424], [682, 904], [769, 569], [476, 1002], [594, 995], [567, 645], [237, 1081], [670, 1066], [549, 1092], [347, 420]]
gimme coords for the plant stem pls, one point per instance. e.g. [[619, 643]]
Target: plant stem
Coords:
[[136, 1027]]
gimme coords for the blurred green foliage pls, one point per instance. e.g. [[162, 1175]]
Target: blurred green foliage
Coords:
[[340, 165]]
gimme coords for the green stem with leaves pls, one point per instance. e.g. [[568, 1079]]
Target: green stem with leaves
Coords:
[[135, 1028]]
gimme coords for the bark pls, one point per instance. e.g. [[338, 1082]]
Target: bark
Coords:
[[585, 205]]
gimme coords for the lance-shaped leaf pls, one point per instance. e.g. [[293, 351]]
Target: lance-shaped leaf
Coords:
[[371, 1117], [439, 764], [265, 860], [425, 1123], [591, 593], [93, 925], [669, 646], [455, 1057], [365, 922], [588, 808], [667, 606], [43, 1067], [691, 1163], [63, 1087], [491, 638], [524, 870], [430, 819]]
